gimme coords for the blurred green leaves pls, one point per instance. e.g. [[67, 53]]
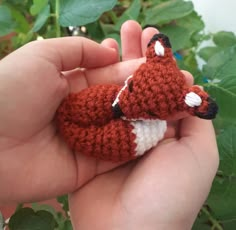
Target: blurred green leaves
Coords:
[[220, 70], [1, 221], [167, 11], [223, 193], [41, 18], [62, 220], [7, 25], [38, 6], [28, 219], [132, 12], [82, 12]]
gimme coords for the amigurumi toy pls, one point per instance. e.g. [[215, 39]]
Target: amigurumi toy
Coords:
[[119, 123]]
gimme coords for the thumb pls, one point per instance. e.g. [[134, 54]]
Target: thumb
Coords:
[[199, 135]]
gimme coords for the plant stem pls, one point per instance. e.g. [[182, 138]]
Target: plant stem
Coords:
[[215, 224], [113, 16], [58, 28]]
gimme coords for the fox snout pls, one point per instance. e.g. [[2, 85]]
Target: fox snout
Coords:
[[200, 104], [210, 112]]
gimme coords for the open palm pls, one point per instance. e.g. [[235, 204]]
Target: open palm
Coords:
[[163, 190], [35, 164], [34, 161]]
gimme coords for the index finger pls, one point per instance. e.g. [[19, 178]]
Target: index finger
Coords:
[[68, 53]]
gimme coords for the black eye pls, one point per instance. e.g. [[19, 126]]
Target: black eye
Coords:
[[130, 87]]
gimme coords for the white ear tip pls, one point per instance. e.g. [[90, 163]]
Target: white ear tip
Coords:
[[159, 49], [192, 99]]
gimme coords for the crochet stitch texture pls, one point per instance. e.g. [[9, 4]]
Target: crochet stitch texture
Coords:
[[119, 123]]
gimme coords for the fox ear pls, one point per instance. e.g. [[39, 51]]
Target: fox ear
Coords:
[[159, 49], [162, 38]]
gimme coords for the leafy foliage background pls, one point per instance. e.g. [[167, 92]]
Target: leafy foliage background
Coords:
[[25, 20]]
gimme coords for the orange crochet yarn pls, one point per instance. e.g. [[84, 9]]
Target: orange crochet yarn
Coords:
[[120, 123]]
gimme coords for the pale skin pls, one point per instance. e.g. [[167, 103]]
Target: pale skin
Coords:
[[165, 189]]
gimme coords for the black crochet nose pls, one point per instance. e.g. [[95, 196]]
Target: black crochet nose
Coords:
[[211, 112], [117, 111]]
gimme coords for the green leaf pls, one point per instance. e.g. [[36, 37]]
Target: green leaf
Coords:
[[189, 63], [229, 224], [224, 39], [181, 33], [155, 2], [207, 52], [27, 219], [38, 6], [95, 31], [13, 2], [201, 226], [167, 11], [131, 13], [222, 200], [179, 36], [45, 207], [227, 148], [41, 18], [82, 12], [221, 72], [63, 200], [223, 194], [63, 223], [7, 24], [67, 225], [222, 64], [108, 29], [22, 25], [224, 92], [201, 223], [1, 221], [192, 22]]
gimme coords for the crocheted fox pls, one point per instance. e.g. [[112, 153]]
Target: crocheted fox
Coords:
[[119, 123]]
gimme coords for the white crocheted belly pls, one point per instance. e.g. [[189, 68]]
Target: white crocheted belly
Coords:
[[148, 134]]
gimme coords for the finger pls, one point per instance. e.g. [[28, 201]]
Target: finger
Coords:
[[131, 40], [37, 179], [197, 128], [76, 80], [171, 131], [71, 52], [188, 77], [89, 167], [177, 116], [115, 74], [199, 135], [111, 43], [147, 34]]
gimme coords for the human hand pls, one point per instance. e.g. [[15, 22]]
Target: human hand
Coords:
[[35, 164], [165, 189], [30, 146]]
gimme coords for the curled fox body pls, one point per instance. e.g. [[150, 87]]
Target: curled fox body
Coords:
[[120, 123]]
